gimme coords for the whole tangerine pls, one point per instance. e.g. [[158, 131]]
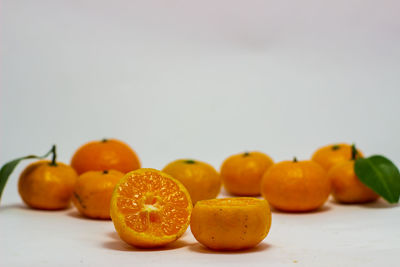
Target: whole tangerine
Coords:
[[107, 154], [242, 173], [346, 187], [47, 185], [330, 155], [296, 186], [93, 190], [200, 179]]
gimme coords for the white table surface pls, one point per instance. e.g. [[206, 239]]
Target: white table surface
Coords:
[[204, 80], [336, 235]]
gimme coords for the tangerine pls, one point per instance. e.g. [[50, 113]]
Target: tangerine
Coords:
[[149, 208], [93, 190], [296, 186], [242, 173], [200, 179], [346, 187], [107, 154], [231, 223], [330, 155], [47, 185]]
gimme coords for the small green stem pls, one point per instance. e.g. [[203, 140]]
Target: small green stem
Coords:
[[245, 154], [294, 159], [53, 156], [335, 147], [104, 140], [354, 152], [190, 161]]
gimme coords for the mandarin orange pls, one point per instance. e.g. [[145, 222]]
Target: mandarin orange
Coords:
[[47, 185], [242, 173], [346, 187], [200, 179], [231, 223], [296, 186], [93, 190], [149, 208], [330, 155], [108, 154]]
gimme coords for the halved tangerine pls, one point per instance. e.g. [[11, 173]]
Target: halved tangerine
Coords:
[[149, 208]]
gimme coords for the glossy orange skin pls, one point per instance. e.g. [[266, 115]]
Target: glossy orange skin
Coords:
[[231, 223], [109, 154], [346, 187], [93, 191], [200, 179], [45, 186], [296, 186], [328, 156], [242, 173]]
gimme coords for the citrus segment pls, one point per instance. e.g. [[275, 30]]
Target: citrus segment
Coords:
[[149, 208]]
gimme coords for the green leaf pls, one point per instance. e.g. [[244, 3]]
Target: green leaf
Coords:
[[8, 168], [381, 175]]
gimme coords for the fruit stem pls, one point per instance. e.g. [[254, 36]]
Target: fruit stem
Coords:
[[104, 140], [335, 147], [53, 156], [190, 161], [245, 154], [294, 159], [105, 171], [354, 152]]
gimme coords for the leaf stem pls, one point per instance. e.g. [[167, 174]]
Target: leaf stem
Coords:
[[53, 156], [354, 152], [9, 167]]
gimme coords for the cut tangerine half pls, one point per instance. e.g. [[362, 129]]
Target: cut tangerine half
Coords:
[[231, 223], [149, 208]]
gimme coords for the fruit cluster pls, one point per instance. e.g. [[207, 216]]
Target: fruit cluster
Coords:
[[151, 208]]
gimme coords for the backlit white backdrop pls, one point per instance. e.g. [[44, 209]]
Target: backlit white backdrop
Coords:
[[198, 79]]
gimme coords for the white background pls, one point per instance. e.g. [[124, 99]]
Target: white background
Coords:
[[200, 79]]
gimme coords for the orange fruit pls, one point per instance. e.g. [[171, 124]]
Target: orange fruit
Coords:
[[296, 186], [200, 179], [108, 154], [93, 190], [330, 155], [149, 208], [48, 186], [230, 223], [346, 187], [242, 173]]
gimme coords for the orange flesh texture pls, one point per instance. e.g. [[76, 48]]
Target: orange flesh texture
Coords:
[[329, 156], [153, 204], [346, 187]]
